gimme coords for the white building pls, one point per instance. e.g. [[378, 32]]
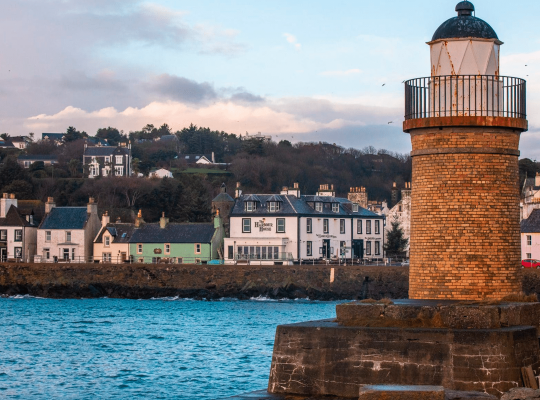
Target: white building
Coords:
[[108, 160], [402, 213], [289, 227], [160, 173], [530, 196], [530, 236], [67, 233], [17, 231]]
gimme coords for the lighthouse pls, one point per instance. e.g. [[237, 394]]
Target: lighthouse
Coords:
[[465, 122]]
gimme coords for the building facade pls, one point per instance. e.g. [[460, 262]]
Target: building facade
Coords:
[[530, 236], [67, 233], [108, 160], [289, 228], [27, 160], [111, 244], [18, 231], [401, 213]]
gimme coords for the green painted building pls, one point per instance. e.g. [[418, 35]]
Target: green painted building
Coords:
[[176, 243]]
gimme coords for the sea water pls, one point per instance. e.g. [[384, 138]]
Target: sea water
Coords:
[[157, 349]]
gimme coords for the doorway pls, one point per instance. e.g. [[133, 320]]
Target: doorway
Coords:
[[358, 249], [326, 248], [3, 254]]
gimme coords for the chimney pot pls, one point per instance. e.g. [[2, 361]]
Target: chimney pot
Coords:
[[6, 195], [12, 196], [237, 185]]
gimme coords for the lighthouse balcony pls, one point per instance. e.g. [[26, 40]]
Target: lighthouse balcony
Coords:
[[465, 100]]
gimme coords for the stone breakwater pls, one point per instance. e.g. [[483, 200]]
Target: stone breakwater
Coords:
[[142, 281]]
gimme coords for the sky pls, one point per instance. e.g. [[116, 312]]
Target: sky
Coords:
[[302, 70]]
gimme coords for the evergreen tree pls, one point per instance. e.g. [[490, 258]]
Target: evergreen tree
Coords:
[[395, 242]]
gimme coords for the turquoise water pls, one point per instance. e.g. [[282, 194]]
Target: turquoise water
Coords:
[[159, 349]]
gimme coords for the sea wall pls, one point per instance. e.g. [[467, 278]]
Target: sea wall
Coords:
[[140, 281], [202, 281]]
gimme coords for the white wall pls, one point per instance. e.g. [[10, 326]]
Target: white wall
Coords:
[[533, 249]]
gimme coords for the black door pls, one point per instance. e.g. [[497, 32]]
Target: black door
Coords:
[[326, 248], [358, 249]]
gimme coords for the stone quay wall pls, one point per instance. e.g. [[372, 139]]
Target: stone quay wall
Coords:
[[140, 281], [465, 233]]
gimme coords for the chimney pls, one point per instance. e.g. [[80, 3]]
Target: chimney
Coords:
[[139, 220], [238, 191], [92, 206], [118, 220], [105, 219], [359, 196], [213, 158], [49, 205], [163, 222], [6, 202], [537, 179]]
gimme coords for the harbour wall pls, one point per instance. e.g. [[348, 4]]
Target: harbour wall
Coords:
[[143, 281]]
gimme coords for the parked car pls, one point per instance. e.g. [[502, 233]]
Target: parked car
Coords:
[[405, 263], [530, 263]]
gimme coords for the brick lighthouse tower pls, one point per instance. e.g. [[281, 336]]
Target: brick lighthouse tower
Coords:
[[465, 122]]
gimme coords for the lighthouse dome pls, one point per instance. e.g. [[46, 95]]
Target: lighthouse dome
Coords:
[[465, 25]]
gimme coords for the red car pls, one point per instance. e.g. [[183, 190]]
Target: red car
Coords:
[[530, 263]]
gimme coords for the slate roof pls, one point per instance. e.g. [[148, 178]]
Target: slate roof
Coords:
[[293, 206], [37, 157], [65, 218], [14, 218], [531, 224], [193, 158], [223, 198], [174, 233], [32, 207], [4, 143], [121, 232], [53, 136], [103, 151]]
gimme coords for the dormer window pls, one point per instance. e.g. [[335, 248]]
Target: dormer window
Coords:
[[318, 207], [250, 206], [335, 207], [355, 208], [273, 206]]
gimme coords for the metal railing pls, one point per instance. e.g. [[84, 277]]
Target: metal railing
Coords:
[[259, 257], [135, 259], [465, 95]]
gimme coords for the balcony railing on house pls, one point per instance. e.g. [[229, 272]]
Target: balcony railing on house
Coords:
[[465, 95]]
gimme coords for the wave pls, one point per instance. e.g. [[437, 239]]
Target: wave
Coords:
[[25, 296]]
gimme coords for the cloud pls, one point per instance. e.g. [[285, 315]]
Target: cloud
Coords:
[[292, 40], [182, 89], [342, 73]]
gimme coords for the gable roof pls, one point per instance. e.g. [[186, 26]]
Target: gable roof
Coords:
[[193, 158], [18, 139], [174, 233], [121, 232], [104, 151], [6, 143], [65, 218], [531, 224], [14, 218], [53, 136]]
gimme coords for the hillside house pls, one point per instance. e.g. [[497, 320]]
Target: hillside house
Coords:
[[108, 160]]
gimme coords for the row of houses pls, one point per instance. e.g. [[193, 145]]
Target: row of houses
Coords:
[[31, 231]]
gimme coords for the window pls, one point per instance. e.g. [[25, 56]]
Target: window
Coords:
[[18, 235], [273, 206], [119, 159], [529, 255], [276, 253], [368, 227], [47, 236], [309, 225], [368, 248], [318, 207], [73, 254], [167, 248], [107, 241], [68, 237], [66, 255], [139, 248], [342, 226], [18, 252], [47, 253], [325, 226], [197, 248], [230, 252], [246, 225], [3, 235], [106, 257], [119, 171], [355, 208], [335, 207], [250, 206], [94, 170], [359, 226], [377, 248], [309, 248], [342, 248], [529, 241], [107, 159], [377, 227], [280, 225]]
